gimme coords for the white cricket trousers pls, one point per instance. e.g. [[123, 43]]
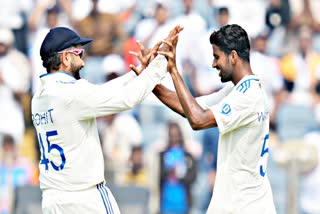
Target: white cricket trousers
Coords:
[[95, 200]]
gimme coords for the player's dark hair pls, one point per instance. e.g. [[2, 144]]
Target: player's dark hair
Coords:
[[232, 37], [223, 10], [52, 63]]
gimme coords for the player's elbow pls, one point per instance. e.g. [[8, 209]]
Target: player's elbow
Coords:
[[196, 127], [200, 126], [202, 121], [195, 123]]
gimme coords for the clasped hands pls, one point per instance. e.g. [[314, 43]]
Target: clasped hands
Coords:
[[166, 47]]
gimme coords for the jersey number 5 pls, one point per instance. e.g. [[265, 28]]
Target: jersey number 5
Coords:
[[51, 147], [265, 151]]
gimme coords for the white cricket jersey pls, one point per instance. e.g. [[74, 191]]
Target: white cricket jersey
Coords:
[[242, 115], [64, 112]]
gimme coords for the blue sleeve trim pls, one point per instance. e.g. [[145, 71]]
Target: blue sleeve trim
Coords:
[[245, 85], [43, 75]]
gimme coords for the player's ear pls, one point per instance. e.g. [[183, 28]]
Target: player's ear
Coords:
[[233, 56], [65, 59]]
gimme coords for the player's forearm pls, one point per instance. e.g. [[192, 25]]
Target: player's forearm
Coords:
[[140, 87], [123, 80], [192, 110], [114, 98], [169, 98]]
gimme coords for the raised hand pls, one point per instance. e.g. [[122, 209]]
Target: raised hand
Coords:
[[171, 36], [175, 31], [170, 53], [144, 56]]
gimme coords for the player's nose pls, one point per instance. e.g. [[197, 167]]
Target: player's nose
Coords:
[[214, 64], [82, 63]]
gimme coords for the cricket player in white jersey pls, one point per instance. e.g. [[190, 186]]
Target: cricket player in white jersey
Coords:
[[64, 112], [241, 112]]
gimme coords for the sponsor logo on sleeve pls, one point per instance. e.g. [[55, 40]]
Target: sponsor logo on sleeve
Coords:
[[226, 109]]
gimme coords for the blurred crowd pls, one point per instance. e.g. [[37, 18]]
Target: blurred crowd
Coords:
[[150, 146]]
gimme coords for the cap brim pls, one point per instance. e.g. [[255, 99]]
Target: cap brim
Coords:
[[76, 41], [83, 41]]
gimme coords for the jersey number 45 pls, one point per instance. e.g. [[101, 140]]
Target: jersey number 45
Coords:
[[51, 148]]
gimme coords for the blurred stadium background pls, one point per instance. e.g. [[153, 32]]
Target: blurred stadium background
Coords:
[[285, 41]]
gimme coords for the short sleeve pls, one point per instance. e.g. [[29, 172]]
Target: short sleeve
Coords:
[[209, 100], [234, 111]]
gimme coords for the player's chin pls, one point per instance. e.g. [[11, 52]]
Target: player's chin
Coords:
[[77, 75], [224, 79]]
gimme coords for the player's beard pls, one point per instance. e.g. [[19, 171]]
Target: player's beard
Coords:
[[76, 71], [226, 76], [226, 72]]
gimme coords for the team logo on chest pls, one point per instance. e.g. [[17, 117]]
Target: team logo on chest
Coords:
[[226, 109]]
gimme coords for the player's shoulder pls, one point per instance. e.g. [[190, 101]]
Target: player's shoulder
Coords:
[[249, 91], [69, 89], [81, 88], [249, 85], [77, 85]]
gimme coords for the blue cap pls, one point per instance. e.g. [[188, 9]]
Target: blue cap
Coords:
[[58, 39]]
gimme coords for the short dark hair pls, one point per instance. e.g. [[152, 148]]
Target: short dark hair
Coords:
[[8, 140], [232, 37], [223, 10], [52, 62]]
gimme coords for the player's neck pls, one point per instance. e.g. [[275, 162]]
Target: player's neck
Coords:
[[241, 72], [62, 68]]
